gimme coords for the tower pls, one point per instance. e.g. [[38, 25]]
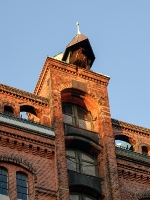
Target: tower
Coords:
[[80, 114]]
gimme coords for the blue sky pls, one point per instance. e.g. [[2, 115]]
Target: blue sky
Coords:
[[118, 30]]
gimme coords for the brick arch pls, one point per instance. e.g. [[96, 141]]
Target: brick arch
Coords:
[[69, 86], [18, 161], [83, 99], [9, 105], [28, 108]]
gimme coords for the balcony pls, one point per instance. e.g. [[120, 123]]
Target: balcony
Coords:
[[75, 131], [78, 179], [132, 156], [27, 125]]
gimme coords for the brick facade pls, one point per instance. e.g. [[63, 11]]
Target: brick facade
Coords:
[[37, 146]]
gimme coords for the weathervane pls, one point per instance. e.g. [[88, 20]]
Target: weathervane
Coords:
[[78, 30]]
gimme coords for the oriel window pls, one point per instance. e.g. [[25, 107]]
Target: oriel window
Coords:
[[81, 162]]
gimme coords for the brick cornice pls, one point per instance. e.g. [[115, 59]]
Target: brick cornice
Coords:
[[20, 94], [130, 127], [69, 69]]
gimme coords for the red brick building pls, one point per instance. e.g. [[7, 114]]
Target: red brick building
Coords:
[[66, 149]]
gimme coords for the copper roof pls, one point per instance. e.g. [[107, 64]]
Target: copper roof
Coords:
[[78, 38]]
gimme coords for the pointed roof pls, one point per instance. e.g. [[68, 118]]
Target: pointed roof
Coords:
[[78, 38], [78, 41]]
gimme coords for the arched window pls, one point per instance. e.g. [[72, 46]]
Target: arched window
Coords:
[[77, 116], [22, 186], [123, 142], [8, 110], [80, 197], [3, 181], [80, 162]]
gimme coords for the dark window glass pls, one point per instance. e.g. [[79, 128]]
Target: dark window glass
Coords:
[[144, 150], [3, 181], [8, 110], [81, 162], [77, 116], [22, 186]]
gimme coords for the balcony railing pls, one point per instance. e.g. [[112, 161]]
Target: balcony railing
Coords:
[[76, 179], [76, 131]]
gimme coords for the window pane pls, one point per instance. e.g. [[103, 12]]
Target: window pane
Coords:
[[70, 153], [24, 177], [4, 172], [5, 192], [22, 186], [3, 178], [24, 183], [67, 119], [85, 124], [88, 168], [82, 113], [3, 181], [87, 158], [74, 197], [71, 164], [67, 109], [19, 196]]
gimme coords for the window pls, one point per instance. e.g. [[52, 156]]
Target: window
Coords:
[[8, 110], [81, 162], [22, 186], [3, 181], [77, 116], [144, 150], [80, 197]]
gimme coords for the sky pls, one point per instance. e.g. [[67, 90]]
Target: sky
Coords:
[[119, 33]]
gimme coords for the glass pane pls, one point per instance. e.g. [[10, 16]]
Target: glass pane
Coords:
[[70, 153], [25, 197], [82, 113], [5, 192], [88, 168], [19, 176], [24, 177], [19, 196], [67, 119], [3, 179], [67, 109], [3, 185], [4, 172], [87, 158], [19, 182], [85, 124], [74, 197], [71, 164], [24, 183]]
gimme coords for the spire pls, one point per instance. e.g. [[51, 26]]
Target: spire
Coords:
[[78, 28], [79, 51]]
